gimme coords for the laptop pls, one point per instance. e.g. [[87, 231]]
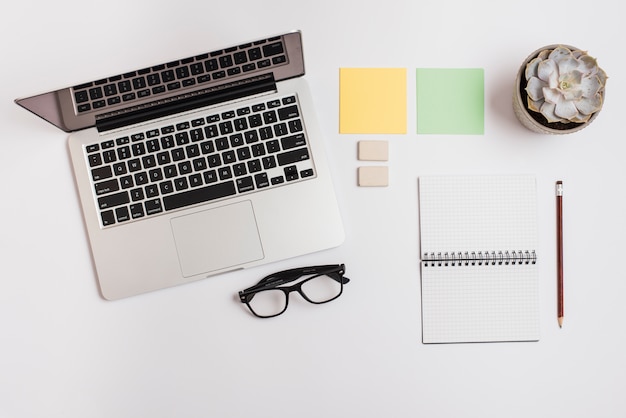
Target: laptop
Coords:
[[199, 166]]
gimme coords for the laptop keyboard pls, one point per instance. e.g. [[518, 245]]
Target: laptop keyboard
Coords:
[[167, 78], [234, 152]]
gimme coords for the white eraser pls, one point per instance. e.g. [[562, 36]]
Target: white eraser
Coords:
[[374, 176], [373, 150]]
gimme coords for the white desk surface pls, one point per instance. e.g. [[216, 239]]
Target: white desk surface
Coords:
[[194, 351]]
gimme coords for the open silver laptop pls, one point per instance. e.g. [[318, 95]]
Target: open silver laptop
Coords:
[[198, 166]]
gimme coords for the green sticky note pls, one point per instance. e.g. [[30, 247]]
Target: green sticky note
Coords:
[[450, 101]]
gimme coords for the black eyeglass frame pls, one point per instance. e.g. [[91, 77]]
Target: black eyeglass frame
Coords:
[[275, 280]]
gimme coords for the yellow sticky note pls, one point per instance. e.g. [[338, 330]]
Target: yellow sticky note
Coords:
[[372, 100]]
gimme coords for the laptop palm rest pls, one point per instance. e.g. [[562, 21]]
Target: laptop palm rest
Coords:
[[205, 240]]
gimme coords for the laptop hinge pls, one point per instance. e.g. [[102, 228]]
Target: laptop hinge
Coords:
[[184, 102]]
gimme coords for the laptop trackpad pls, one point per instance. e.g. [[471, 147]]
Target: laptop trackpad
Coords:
[[216, 239]]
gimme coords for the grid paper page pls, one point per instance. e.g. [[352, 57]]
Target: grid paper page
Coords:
[[478, 303]]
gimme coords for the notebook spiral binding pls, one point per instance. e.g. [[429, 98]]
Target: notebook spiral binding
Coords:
[[479, 258]]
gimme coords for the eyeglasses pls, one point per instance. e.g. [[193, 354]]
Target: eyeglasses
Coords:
[[269, 298]]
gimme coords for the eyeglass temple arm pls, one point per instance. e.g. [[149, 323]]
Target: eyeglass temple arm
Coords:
[[288, 276]]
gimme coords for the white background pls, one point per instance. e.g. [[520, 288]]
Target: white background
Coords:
[[194, 351]]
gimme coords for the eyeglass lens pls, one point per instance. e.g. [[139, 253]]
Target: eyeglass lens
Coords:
[[317, 289]]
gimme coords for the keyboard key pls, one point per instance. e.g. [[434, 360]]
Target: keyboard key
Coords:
[[153, 206], [240, 58], [277, 180], [248, 67], [109, 156], [294, 156], [240, 124], [211, 65], [229, 157], [221, 144], [152, 190], [270, 117], [293, 141], [203, 194], [225, 173], [153, 79], [108, 218], [295, 125], [124, 86], [122, 214], [195, 180], [240, 169], [136, 194], [279, 60], [166, 187], [155, 174], [101, 173], [226, 61], [181, 184], [196, 68], [289, 112], [226, 128], [273, 146], [257, 150], [261, 180], [268, 162], [170, 171], [168, 76], [122, 141], [81, 96], [96, 93], [134, 165], [123, 153], [291, 173], [138, 149], [136, 211], [273, 49], [210, 176], [254, 54], [139, 83], [107, 186], [254, 166], [119, 168], [182, 72], [245, 184], [141, 178], [113, 200], [126, 182], [281, 129]]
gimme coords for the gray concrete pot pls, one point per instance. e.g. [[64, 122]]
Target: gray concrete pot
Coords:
[[534, 121]]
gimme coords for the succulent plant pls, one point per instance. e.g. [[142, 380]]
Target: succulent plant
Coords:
[[565, 85]]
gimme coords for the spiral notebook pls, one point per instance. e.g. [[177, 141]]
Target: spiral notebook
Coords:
[[479, 259]]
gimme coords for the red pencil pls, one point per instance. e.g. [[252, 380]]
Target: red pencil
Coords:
[[559, 250]]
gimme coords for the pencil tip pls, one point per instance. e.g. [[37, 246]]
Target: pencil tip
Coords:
[[560, 322]]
